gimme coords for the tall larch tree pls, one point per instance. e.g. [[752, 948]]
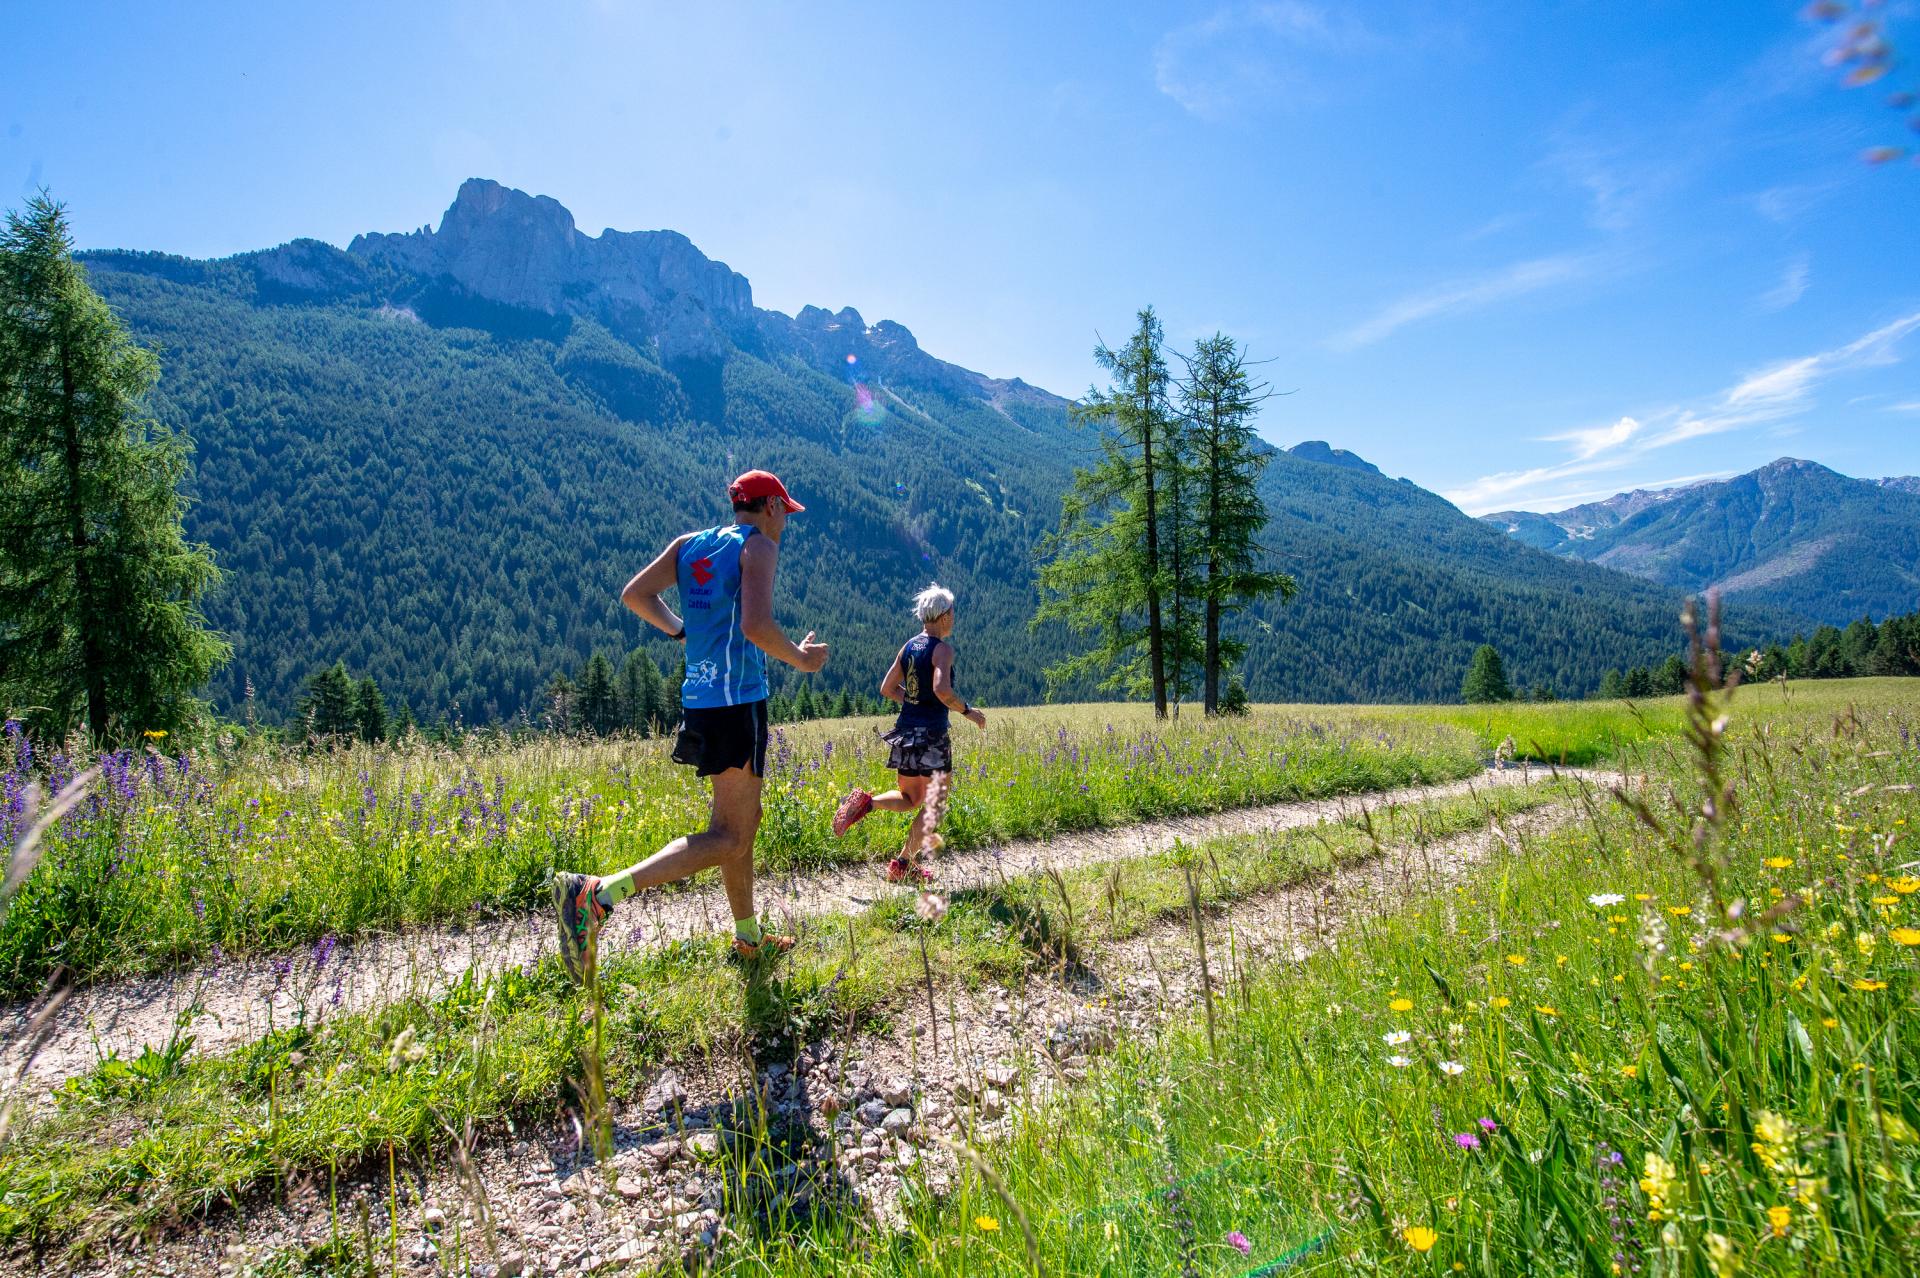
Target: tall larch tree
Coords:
[[100, 620]]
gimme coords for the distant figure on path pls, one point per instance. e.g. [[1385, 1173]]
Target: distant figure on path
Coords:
[[725, 580], [921, 680]]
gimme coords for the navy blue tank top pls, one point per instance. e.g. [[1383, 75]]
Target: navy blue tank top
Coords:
[[919, 707]]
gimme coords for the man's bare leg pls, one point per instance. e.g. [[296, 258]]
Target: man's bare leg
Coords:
[[726, 843]]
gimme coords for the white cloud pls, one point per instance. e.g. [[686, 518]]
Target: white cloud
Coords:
[[1792, 286], [1598, 439], [1769, 397], [1248, 53], [1512, 281], [1908, 406]]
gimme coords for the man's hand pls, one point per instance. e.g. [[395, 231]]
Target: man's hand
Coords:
[[813, 655], [977, 717]]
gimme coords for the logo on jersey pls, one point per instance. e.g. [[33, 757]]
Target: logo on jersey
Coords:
[[702, 674], [702, 570]]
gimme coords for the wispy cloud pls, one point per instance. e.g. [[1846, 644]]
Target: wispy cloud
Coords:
[[1768, 397], [1792, 286], [1244, 54], [1516, 280], [1905, 406]]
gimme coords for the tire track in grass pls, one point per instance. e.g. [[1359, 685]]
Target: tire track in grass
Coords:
[[1002, 1051], [228, 1004]]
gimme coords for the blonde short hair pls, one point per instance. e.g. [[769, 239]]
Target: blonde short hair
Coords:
[[935, 601]]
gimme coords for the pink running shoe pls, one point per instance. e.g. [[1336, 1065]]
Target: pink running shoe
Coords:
[[900, 870], [852, 808]]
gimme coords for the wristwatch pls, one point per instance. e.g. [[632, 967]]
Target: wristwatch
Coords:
[[679, 635]]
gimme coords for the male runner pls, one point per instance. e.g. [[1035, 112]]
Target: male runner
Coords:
[[725, 580]]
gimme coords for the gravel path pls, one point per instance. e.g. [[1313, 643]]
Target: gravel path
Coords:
[[238, 1001], [858, 1117]]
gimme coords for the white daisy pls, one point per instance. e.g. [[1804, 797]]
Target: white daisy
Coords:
[[1452, 1067], [1396, 1038]]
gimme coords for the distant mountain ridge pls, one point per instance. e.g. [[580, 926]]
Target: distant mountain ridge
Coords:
[[437, 455], [1792, 535]]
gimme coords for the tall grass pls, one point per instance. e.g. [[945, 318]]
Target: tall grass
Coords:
[[1591, 1059], [173, 859]]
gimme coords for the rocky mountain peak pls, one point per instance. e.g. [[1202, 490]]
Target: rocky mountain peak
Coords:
[[506, 246]]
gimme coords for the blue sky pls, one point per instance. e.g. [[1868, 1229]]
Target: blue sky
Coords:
[[1523, 254]]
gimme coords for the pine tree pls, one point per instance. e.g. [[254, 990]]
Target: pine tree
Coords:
[[1638, 683], [1234, 702], [843, 705], [1486, 679], [327, 706], [1219, 398], [597, 705], [403, 724], [1105, 574], [803, 703], [643, 695], [1671, 678], [99, 589], [1612, 686], [369, 711]]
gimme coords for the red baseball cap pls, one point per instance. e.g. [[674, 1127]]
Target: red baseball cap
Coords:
[[761, 483]]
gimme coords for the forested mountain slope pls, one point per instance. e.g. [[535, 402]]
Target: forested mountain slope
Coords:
[[438, 456]]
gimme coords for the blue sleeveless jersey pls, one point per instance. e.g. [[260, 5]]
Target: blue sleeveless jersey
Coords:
[[919, 707], [723, 668]]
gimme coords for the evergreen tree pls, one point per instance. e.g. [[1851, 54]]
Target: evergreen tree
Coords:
[[327, 705], [843, 705], [1486, 678], [1104, 574], [1234, 701], [403, 724], [369, 711], [804, 707], [1671, 679], [597, 706], [643, 695], [99, 590], [1638, 683], [1219, 399], [1612, 685]]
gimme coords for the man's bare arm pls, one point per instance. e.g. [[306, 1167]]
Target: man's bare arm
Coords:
[[642, 594], [893, 687], [758, 559]]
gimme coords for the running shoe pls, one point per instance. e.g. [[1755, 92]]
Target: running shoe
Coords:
[[852, 808], [578, 912], [772, 945], [901, 870]]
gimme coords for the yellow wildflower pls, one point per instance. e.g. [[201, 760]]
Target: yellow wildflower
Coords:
[[1886, 900], [986, 1224], [1400, 1005], [1779, 862], [1905, 935], [1420, 1238], [1865, 942], [1501, 1000], [1630, 1071], [1518, 960], [1720, 1250], [1679, 910], [1905, 885], [1657, 1184], [1544, 1010], [1778, 1218], [1869, 986], [1642, 896]]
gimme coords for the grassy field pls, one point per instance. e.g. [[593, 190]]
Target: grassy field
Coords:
[[175, 859], [1668, 1042], [1677, 1045]]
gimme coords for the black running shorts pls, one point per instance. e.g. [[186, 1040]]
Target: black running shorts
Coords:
[[720, 738]]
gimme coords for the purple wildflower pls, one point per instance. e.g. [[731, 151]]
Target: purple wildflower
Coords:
[[1488, 1125], [1466, 1140], [1238, 1241]]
